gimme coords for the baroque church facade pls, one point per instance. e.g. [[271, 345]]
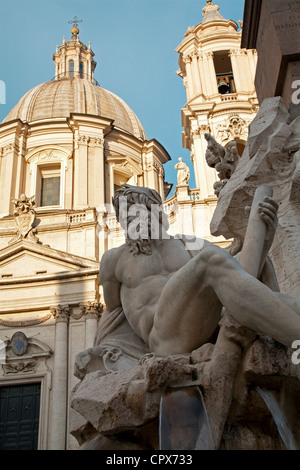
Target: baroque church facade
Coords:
[[65, 148]]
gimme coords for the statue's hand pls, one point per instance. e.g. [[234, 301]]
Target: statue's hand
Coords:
[[268, 210]]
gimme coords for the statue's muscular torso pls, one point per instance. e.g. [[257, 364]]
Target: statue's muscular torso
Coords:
[[173, 299], [136, 282]]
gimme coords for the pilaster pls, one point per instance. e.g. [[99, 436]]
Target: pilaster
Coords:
[[206, 175], [81, 171], [190, 84], [58, 420], [212, 88], [233, 54], [96, 180], [89, 169], [92, 311], [196, 75]]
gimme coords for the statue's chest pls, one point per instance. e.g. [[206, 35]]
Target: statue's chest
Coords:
[[133, 269]]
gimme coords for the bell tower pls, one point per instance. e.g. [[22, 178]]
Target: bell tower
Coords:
[[73, 58], [221, 100]]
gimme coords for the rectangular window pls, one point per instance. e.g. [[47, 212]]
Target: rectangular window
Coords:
[[81, 70], [49, 185], [71, 68], [50, 191]]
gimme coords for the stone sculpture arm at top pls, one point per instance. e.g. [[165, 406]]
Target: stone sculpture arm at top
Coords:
[[223, 159]]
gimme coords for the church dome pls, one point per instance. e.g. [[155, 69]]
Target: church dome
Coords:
[[59, 98]]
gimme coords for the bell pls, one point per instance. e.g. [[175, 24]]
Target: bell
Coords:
[[223, 87]]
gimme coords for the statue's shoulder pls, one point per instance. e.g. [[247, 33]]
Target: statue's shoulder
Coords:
[[193, 244], [113, 254], [109, 261]]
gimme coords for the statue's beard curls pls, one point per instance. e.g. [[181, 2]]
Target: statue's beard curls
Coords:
[[138, 244]]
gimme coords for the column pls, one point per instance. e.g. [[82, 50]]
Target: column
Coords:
[[77, 61], [200, 165], [81, 172], [196, 75], [92, 311], [245, 70], [206, 176], [111, 182], [96, 172], [195, 165], [150, 170], [161, 176], [233, 54], [63, 64], [252, 64], [68, 184], [152, 174], [19, 169], [58, 418], [210, 76], [190, 85], [90, 68], [202, 74], [144, 163], [8, 174]]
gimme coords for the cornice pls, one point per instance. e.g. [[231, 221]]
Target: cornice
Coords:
[[201, 34], [49, 278], [81, 119], [154, 145]]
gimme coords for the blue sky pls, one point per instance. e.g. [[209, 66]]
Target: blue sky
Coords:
[[134, 43]]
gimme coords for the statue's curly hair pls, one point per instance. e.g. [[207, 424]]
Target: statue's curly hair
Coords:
[[136, 195]]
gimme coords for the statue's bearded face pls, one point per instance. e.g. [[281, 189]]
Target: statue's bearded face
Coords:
[[142, 219]]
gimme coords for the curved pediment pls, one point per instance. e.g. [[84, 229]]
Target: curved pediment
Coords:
[[23, 355], [48, 154]]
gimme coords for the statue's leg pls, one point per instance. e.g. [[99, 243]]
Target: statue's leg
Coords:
[[191, 301]]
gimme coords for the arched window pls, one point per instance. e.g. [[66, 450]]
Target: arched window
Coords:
[[81, 69], [71, 68]]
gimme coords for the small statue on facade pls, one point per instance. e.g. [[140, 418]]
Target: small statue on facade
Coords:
[[183, 174]]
